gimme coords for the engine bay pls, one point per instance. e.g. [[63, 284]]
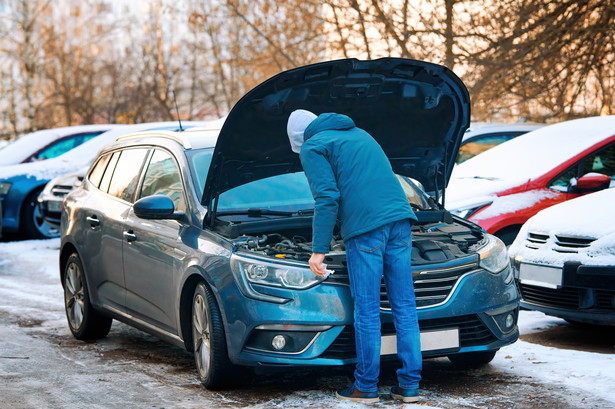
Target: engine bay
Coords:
[[432, 242]]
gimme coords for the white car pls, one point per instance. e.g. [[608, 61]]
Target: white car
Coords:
[[564, 260], [48, 143], [482, 136]]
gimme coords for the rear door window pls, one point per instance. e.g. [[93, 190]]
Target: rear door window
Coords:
[[126, 174], [99, 169]]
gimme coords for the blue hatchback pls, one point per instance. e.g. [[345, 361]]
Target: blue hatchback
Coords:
[[202, 237]]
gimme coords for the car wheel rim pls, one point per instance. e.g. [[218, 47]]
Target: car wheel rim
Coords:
[[42, 227], [202, 342], [74, 293]]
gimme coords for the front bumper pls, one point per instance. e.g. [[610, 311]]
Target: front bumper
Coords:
[[587, 295], [476, 307]]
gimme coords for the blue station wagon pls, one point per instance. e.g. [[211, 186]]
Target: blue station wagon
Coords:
[[202, 237]]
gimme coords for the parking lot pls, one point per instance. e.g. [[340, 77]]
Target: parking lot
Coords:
[[41, 365]]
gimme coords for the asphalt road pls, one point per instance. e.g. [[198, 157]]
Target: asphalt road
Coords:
[[43, 366]]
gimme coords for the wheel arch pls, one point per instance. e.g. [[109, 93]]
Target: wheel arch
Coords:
[[66, 251], [194, 276]]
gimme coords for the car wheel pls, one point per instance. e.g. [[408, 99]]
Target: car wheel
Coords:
[[32, 223], [469, 360], [84, 322], [210, 351]]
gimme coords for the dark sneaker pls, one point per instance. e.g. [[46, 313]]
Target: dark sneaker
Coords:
[[354, 395], [405, 395]]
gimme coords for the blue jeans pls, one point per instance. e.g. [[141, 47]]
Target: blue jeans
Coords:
[[385, 250]]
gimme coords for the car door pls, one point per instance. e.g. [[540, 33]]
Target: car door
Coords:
[[105, 211], [153, 252], [600, 161]]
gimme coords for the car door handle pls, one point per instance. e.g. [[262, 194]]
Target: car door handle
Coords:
[[130, 236], [93, 221]]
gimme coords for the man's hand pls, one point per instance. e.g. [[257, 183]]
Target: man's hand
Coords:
[[316, 264]]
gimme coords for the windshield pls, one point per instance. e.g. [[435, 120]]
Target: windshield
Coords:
[[291, 192], [287, 192]]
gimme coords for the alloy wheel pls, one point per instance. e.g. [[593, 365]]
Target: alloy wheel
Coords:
[[74, 294], [201, 335]]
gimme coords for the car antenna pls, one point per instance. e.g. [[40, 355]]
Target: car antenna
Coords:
[[177, 109]]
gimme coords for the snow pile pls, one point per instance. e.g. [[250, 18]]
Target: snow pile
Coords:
[[515, 202], [589, 216]]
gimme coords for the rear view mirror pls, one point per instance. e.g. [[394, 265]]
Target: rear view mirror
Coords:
[[592, 182], [156, 207]]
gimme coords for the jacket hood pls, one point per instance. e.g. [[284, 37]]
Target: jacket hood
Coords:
[[417, 111], [326, 122]]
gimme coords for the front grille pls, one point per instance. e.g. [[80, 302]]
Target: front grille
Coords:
[[61, 191], [535, 240], [431, 286], [560, 298], [605, 300], [472, 332], [570, 244]]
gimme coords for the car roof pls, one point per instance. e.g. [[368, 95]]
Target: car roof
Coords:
[[189, 139], [482, 128], [535, 153]]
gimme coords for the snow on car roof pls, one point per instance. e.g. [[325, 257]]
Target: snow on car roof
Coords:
[[19, 150], [535, 153]]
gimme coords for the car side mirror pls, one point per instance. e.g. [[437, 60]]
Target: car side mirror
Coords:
[[591, 182], [156, 207]]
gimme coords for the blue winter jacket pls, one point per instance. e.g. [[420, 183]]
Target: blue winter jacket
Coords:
[[349, 174]]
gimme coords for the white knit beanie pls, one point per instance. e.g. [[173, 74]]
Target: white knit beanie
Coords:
[[297, 122]]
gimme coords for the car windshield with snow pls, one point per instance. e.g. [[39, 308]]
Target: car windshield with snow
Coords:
[[503, 187], [202, 237], [564, 260]]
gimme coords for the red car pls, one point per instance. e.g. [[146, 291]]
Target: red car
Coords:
[[502, 188]]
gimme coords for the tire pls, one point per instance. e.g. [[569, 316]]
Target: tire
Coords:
[[31, 221], [83, 321], [209, 342], [508, 234], [471, 360]]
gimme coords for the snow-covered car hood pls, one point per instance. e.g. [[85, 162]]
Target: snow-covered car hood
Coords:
[[417, 111], [585, 221], [470, 192], [21, 149]]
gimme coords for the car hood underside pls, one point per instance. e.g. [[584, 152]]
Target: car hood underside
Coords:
[[417, 111]]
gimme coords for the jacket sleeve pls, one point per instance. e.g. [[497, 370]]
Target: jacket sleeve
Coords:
[[326, 195]]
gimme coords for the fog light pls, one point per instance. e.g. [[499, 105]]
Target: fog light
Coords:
[[510, 320], [278, 342]]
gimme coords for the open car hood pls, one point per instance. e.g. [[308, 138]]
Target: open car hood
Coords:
[[417, 111]]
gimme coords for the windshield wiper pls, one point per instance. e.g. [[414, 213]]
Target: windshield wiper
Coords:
[[264, 212]]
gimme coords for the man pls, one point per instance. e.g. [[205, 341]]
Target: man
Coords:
[[351, 177]]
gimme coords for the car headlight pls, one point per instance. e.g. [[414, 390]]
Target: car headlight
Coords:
[[257, 271], [5, 187], [493, 254], [465, 213]]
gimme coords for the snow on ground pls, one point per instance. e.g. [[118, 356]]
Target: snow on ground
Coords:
[[592, 372]]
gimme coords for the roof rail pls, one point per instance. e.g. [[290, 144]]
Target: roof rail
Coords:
[[160, 134]]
